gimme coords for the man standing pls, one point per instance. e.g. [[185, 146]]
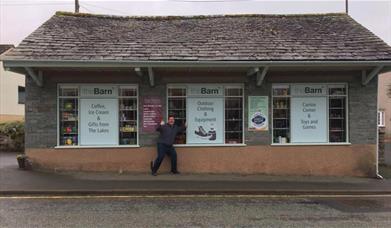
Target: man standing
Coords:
[[168, 132]]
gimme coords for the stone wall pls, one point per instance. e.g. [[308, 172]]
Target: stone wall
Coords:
[[41, 103]]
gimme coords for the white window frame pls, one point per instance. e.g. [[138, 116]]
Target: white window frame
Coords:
[[225, 85], [78, 85], [328, 85], [381, 118]]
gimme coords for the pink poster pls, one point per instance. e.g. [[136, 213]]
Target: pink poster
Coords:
[[152, 113]]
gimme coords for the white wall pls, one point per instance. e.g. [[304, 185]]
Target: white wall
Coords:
[[385, 100], [9, 83]]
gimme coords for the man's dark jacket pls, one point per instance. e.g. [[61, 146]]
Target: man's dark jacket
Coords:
[[168, 133]]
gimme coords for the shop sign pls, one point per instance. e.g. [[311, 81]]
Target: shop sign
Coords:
[[95, 91], [205, 120], [258, 113], [206, 90], [152, 113], [98, 122], [309, 120], [309, 90]]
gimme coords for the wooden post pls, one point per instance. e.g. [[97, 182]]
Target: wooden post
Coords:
[[77, 6]]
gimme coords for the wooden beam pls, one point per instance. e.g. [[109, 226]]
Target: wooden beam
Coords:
[[252, 71], [367, 78], [151, 77], [138, 71], [38, 79], [261, 75]]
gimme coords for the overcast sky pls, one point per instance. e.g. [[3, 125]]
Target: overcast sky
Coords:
[[18, 18]]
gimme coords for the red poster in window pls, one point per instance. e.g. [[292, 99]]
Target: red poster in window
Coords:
[[152, 113]]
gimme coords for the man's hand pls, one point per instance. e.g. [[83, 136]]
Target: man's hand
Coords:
[[185, 124], [162, 122]]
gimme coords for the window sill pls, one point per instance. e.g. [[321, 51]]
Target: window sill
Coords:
[[101, 146], [311, 144], [208, 145]]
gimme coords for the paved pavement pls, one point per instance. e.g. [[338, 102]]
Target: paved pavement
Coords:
[[15, 181], [201, 211]]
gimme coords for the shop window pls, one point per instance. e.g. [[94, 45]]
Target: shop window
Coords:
[[281, 114], [69, 116], [233, 115], [309, 113], [98, 115], [381, 119], [177, 108], [337, 114], [21, 95], [215, 113], [127, 116]]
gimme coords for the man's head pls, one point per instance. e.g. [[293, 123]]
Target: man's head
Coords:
[[171, 120]]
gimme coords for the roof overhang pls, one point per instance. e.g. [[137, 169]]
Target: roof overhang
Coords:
[[370, 69], [175, 63]]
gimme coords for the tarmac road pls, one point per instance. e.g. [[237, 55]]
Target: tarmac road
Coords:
[[195, 211]]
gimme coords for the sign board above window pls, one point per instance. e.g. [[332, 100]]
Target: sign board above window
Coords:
[[99, 91], [309, 90], [206, 90]]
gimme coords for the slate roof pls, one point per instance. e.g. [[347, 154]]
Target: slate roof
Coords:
[[68, 36], [5, 47]]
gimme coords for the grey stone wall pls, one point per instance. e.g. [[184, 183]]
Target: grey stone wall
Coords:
[[363, 112], [41, 103], [40, 114]]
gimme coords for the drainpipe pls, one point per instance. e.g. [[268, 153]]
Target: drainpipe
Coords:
[[378, 176]]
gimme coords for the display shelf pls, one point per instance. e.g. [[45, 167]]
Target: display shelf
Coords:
[[281, 115], [68, 115], [337, 116], [233, 115]]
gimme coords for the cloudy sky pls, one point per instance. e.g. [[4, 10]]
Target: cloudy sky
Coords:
[[18, 18]]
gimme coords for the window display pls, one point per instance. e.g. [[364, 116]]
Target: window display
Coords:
[[337, 114], [68, 115], [312, 113], [281, 114], [98, 115], [177, 107], [127, 116], [203, 105], [233, 115]]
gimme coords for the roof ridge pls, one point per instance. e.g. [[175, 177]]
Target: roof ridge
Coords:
[[181, 17]]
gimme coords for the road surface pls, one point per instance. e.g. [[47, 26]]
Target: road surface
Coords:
[[195, 211]]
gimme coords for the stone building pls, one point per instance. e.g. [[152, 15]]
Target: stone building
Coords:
[[272, 94]]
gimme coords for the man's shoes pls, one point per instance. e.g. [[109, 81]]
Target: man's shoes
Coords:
[[175, 172], [152, 172]]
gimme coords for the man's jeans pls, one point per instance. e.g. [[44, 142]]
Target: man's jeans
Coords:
[[162, 150]]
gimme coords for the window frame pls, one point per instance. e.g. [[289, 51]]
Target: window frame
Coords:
[[381, 118], [328, 85], [224, 85], [24, 95], [78, 85]]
